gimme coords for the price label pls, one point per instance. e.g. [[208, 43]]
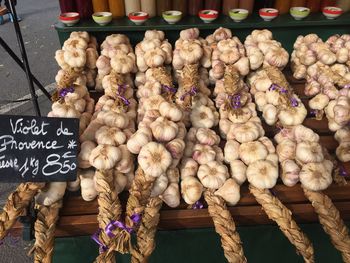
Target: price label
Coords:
[[38, 149]]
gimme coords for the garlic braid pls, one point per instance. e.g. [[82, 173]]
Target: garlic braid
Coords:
[[116, 113], [230, 241], [16, 204], [202, 167], [251, 155], [165, 188], [45, 226], [331, 221]]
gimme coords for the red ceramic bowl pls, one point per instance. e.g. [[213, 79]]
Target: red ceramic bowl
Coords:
[[208, 15], [69, 18], [332, 12], [138, 17], [268, 13]]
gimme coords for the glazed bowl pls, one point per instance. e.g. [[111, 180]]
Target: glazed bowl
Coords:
[[332, 12], [208, 15], [238, 14], [138, 17], [102, 18], [268, 14], [299, 12], [69, 18], [172, 16]]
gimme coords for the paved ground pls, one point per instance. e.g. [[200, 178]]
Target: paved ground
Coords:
[[41, 41]]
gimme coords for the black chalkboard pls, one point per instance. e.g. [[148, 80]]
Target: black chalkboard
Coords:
[[38, 149]]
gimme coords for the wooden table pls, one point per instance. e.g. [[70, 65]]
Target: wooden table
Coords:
[[80, 218]]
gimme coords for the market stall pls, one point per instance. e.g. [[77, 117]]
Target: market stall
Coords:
[[196, 125]]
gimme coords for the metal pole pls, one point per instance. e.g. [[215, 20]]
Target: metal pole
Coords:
[[24, 58], [19, 62]]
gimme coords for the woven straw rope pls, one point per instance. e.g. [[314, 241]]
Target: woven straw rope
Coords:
[[277, 212], [331, 222], [225, 227], [16, 204]]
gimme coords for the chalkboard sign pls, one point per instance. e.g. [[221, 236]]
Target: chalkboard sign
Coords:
[[38, 149]]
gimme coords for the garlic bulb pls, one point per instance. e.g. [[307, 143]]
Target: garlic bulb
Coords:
[[87, 184], [268, 144], [290, 172], [286, 150], [111, 136], [302, 133], [252, 151], [309, 152], [53, 192], [262, 174], [85, 151], [104, 157], [189, 167], [229, 192], [315, 177], [246, 132], [238, 171], [170, 111], [343, 151], [126, 162], [207, 136], [73, 186], [176, 148], [163, 129], [120, 181], [212, 174], [319, 102], [203, 153], [171, 195], [191, 189], [202, 117], [137, 141], [154, 159], [159, 186], [231, 151]]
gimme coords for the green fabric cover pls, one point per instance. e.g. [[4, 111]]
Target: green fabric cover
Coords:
[[261, 244]]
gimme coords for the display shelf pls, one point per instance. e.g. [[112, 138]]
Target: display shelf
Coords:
[[284, 27], [78, 217], [254, 21]]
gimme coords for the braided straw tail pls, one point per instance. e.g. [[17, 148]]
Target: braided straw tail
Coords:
[[16, 204], [147, 232], [140, 193], [225, 227], [331, 222], [277, 212], [109, 209], [45, 226]]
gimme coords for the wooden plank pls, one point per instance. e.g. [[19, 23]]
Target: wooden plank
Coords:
[[75, 205], [78, 225]]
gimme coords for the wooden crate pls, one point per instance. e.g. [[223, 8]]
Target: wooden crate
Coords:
[[78, 217]]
